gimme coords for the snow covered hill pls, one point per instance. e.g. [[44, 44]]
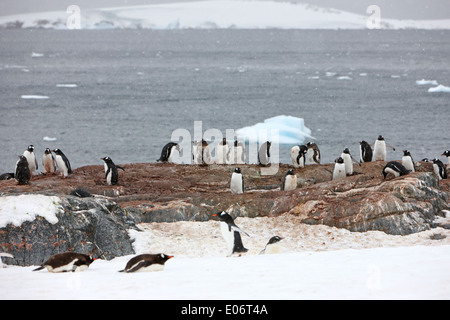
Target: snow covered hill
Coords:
[[239, 14]]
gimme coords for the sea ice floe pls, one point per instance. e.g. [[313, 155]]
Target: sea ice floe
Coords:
[[439, 88], [33, 97], [425, 82]]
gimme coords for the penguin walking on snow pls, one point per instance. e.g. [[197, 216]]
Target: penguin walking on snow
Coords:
[[379, 149], [289, 181], [339, 169], [395, 168], [48, 162], [22, 173], [67, 262], [313, 153], [63, 163], [439, 169], [231, 233], [264, 154], [237, 182], [273, 246], [298, 156], [408, 161], [348, 161], [365, 151], [168, 151], [146, 263], [31, 158], [111, 172]]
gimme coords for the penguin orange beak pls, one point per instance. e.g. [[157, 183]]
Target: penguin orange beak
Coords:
[[170, 257]]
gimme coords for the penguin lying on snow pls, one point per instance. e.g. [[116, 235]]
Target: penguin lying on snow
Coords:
[[168, 151], [272, 246], [6, 255], [439, 169], [395, 168], [231, 233], [22, 173], [146, 263], [67, 262], [111, 172]]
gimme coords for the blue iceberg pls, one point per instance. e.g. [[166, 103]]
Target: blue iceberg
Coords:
[[290, 130]]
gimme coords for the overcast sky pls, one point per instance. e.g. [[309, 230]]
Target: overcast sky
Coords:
[[397, 9]]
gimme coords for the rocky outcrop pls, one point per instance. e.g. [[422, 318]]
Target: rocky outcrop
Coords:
[[162, 192]]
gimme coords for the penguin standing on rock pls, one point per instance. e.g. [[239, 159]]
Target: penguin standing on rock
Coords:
[[49, 162], [63, 163], [313, 153], [298, 156], [348, 161], [273, 246], [237, 181], [223, 152], [111, 172], [365, 151], [146, 263], [395, 168], [339, 169], [379, 149], [31, 158], [67, 262], [408, 161], [168, 151], [439, 169], [264, 154], [237, 153], [231, 233], [447, 154], [22, 173], [289, 181]]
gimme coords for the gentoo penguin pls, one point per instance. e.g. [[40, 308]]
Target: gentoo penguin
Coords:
[[111, 173], [22, 173], [63, 163], [365, 151], [237, 181], [339, 169], [379, 149], [6, 255], [264, 154], [48, 162], [168, 151], [408, 161], [31, 158], [231, 233], [222, 152], [348, 161], [7, 176], [447, 154], [201, 153], [146, 263], [289, 181], [237, 154], [298, 156], [313, 153], [273, 246], [67, 262], [439, 169], [396, 168]]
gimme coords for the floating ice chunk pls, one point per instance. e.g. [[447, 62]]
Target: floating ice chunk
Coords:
[[291, 130], [66, 85], [36, 55], [439, 88], [344, 78], [37, 97], [424, 82], [49, 139], [18, 209]]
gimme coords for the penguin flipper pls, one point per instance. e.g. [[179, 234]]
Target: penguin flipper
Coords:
[[119, 167], [138, 266], [237, 229], [40, 268]]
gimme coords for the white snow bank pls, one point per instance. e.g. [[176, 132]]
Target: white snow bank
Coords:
[[239, 14], [18, 209], [439, 88], [291, 130], [425, 82]]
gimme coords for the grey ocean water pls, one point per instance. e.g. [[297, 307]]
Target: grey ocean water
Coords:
[[135, 87]]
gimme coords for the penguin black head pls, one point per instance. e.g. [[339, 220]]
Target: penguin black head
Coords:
[[446, 153], [339, 160], [406, 153], [22, 159], [346, 151], [47, 151], [274, 239], [223, 216], [237, 170], [290, 172], [30, 148], [107, 159], [380, 137], [437, 161], [57, 151]]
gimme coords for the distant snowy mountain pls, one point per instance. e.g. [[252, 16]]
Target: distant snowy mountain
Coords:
[[238, 14]]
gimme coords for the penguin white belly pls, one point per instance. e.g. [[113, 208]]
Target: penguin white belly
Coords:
[[294, 154], [228, 237], [310, 154], [236, 183], [395, 173], [407, 163], [48, 163], [31, 160], [348, 163], [339, 171], [290, 182], [61, 165], [221, 154], [379, 151], [239, 155], [151, 268], [273, 249], [109, 177], [436, 170], [65, 268]]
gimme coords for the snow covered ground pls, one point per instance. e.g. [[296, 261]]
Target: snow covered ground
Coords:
[[240, 14], [318, 262]]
